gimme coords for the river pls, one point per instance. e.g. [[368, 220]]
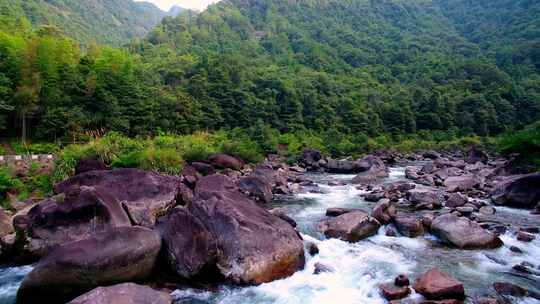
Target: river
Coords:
[[358, 269]]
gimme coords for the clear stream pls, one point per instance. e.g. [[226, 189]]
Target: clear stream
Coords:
[[359, 268]]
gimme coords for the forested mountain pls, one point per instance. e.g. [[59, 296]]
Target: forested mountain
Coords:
[[356, 67], [113, 22]]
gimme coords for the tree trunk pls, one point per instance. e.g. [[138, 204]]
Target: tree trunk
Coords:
[[23, 132]]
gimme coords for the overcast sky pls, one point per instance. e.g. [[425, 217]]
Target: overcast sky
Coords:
[[193, 4]]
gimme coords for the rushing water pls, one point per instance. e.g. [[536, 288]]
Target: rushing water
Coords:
[[359, 268]]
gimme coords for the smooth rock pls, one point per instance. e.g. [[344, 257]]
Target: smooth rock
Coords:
[[463, 233], [409, 225], [438, 285], [519, 192], [383, 211], [126, 293], [391, 292], [225, 161], [120, 255], [351, 227]]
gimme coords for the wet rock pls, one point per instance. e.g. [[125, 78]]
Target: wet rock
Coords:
[[126, 293], [320, 268], [392, 292], [225, 161], [525, 237], [463, 233], [431, 155], [279, 212], [509, 289], [402, 186], [258, 187], [336, 183], [411, 173], [313, 249], [203, 168], [519, 192], [530, 229], [373, 168], [383, 211], [486, 301], [144, 195], [6, 223], [424, 198], [402, 280], [523, 269], [461, 183], [390, 231], [125, 254], [188, 246], [343, 166], [351, 227], [456, 200], [427, 219], [487, 210], [75, 215], [409, 225], [374, 196], [446, 301], [255, 246], [515, 249], [465, 210], [438, 285], [89, 164], [447, 172], [338, 211]]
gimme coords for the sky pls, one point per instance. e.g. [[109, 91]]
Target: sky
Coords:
[[192, 4]]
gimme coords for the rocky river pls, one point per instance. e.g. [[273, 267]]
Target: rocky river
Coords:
[[341, 271]]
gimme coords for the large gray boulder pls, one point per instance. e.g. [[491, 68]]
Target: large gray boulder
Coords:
[[189, 247], [225, 161], [75, 215], [350, 227], [343, 166], [424, 198], [463, 233], [518, 191], [254, 246], [372, 170], [409, 225], [461, 183], [126, 293], [120, 255], [144, 195]]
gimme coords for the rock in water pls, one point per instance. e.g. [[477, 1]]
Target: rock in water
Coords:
[[372, 169], [409, 225], [424, 198], [437, 285], [383, 211], [463, 233], [76, 215], [461, 183], [254, 246], [189, 247], [350, 227], [225, 161], [519, 192], [119, 255], [343, 166], [127, 293], [145, 195], [258, 187]]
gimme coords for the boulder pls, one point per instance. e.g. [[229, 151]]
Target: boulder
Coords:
[[126, 293], [311, 158], [189, 247], [75, 215], [350, 227], [343, 166], [320, 268], [411, 173], [338, 211], [189, 176], [144, 195], [279, 212], [513, 290], [254, 246], [463, 233], [120, 255], [89, 164], [438, 285], [424, 198], [401, 280], [6, 223], [455, 200], [392, 292], [257, 187], [461, 183], [447, 172], [518, 191], [475, 155], [383, 211], [372, 169], [409, 225], [225, 161], [203, 168]]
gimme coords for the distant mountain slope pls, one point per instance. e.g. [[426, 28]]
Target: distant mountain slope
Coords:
[[113, 22], [175, 10]]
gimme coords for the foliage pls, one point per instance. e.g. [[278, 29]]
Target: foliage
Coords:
[[525, 142]]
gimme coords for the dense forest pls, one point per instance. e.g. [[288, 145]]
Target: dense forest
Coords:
[[90, 21], [357, 68]]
